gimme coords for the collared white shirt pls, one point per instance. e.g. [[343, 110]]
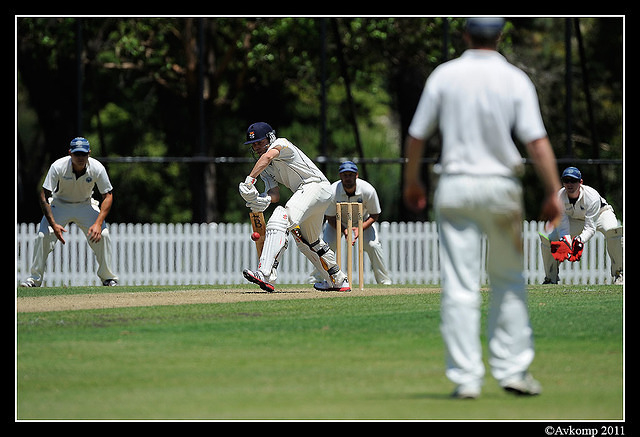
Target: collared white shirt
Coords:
[[64, 185], [292, 168], [586, 208], [365, 193], [478, 101]]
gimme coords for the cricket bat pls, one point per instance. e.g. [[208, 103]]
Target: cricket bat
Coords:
[[260, 226]]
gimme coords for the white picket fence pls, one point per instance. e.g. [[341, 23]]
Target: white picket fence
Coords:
[[216, 253]]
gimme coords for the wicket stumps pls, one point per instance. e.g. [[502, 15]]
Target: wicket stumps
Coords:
[[350, 206]]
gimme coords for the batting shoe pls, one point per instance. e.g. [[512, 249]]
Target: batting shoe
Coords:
[[257, 278], [109, 282], [29, 282], [525, 386], [326, 286]]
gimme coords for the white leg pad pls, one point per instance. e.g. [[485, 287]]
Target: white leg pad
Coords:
[[615, 242], [551, 265], [275, 243]]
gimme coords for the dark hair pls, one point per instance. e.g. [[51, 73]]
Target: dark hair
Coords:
[[478, 41]]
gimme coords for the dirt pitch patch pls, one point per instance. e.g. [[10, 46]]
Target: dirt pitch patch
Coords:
[[185, 297]]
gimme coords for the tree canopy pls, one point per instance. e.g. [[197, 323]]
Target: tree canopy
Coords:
[[339, 88]]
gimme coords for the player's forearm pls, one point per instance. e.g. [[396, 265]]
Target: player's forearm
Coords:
[[105, 207], [45, 207], [369, 221], [263, 162], [413, 153]]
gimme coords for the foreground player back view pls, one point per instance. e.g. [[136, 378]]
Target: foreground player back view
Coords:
[[477, 102]]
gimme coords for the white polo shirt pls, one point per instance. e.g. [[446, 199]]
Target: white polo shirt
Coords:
[[365, 193], [64, 185], [586, 208], [477, 101], [292, 168]]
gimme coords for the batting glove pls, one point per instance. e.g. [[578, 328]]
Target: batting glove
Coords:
[[248, 190], [261, 203]]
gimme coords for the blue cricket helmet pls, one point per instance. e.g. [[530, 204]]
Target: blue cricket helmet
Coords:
[[259, 131]]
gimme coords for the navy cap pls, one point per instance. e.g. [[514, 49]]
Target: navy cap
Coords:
[[487, 27], [79, 144], [348, 166], [258, 131], [572, 172]]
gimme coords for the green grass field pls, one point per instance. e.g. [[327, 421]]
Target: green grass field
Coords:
[[352, 357]]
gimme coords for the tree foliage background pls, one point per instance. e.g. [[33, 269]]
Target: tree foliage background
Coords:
[[189, 87]]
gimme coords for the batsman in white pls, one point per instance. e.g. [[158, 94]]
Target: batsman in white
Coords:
[[281, 162], [66, 197], [351, 188], [478, 101], [585, 212]]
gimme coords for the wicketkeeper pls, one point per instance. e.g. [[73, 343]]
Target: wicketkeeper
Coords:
[[351, 188], [585, 212]]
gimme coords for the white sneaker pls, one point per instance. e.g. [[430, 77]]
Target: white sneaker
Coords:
[[619, 279], [526, 386], [326, 286], [257, 278], [28, 283], [466, 392]]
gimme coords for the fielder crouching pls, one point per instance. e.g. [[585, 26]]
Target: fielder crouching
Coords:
[[66, 197], [585, 212]]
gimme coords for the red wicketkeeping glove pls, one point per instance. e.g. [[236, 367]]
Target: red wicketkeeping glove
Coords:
[[561, 249], [577, 246]]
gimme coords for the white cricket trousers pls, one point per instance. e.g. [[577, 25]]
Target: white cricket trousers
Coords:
[[468, 207], [83, 215]]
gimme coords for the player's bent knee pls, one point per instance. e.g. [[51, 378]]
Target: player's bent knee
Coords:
[[279, 220]]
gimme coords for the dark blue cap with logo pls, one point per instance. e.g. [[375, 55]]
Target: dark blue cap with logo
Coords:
[[572, 172], [79, 144], [348, 166]]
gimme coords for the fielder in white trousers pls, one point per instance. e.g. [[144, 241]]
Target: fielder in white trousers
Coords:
[[479, 103], [468, 207], [83, 214]]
